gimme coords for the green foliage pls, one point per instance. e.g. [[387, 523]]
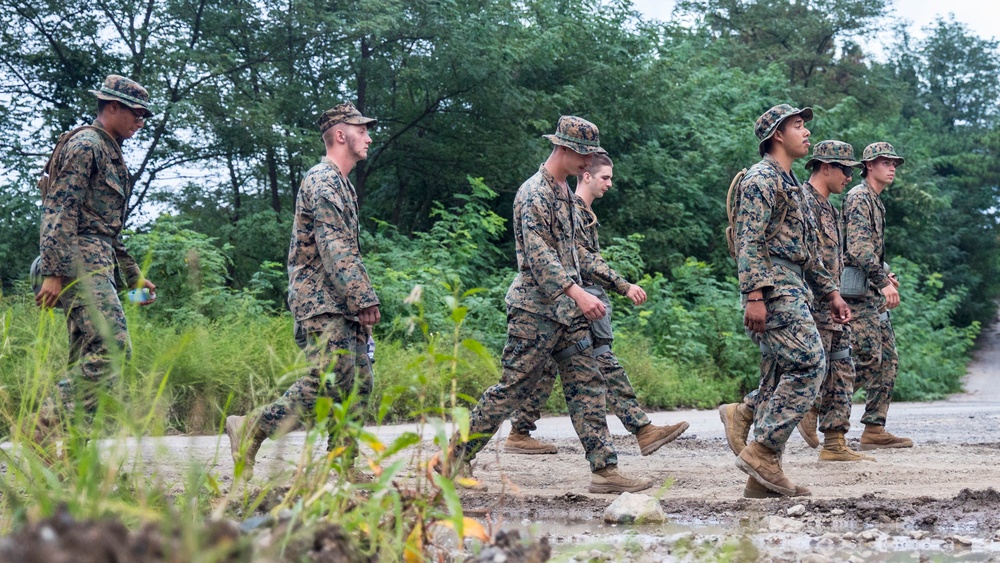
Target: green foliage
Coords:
[[933, 352]]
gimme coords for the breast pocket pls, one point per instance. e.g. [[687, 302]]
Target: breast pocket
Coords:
[[107, 200]]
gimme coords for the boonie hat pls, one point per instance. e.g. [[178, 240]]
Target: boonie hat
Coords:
[[577, 134], [126, 91], [343, 113], [767, 124], [876, 150], [833, 151]]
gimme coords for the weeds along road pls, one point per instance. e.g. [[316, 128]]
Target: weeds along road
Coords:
[[957, 447]]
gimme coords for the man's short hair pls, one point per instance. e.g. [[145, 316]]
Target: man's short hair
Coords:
[[101, 104], [780, 129], [599, 161]]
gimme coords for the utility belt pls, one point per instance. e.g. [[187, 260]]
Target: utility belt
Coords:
[[797, 268], [841, 354], [105, 238]]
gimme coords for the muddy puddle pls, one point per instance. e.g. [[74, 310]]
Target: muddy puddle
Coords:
[[963, 528]]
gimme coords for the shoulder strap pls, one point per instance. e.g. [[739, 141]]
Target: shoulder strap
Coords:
[[47, 172]]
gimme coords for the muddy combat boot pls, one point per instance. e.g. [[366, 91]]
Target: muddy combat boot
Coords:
[[736, 418], [762, 463], [245, 439], [835, 449], [518, 443], [652, 437], [875, 437], [807, 428], [610, 480], [753, 489]]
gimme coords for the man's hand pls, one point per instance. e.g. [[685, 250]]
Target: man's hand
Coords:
[[152, 291], [839, 308], [891, 295], [636, 294], [48, 296], [591, 306], [755, 316], [369, 315]]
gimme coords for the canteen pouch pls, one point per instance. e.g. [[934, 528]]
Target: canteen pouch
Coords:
[[601, 328], [853, 283]]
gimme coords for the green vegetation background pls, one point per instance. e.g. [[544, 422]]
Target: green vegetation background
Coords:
[[463, 90]]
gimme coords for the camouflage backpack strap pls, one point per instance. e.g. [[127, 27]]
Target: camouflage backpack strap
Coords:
[[48, 172]]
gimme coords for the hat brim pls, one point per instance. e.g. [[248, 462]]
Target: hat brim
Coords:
[[899, 160], [852, 163], [361, 121], [112, 98], [578, 148], [807, 115]]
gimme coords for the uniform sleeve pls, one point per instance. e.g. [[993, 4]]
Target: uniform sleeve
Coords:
[[540, 253], [127, 264], [816, 272], [861, 235], [593, 267], [753, 262], [338, 249], [61, 208]]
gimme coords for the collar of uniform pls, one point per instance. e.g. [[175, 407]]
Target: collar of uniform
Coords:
[[336, 169], [101, 126], [787, 176], [551, 181]]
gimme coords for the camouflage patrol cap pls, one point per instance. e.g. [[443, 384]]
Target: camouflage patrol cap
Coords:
[[768, 123], [833, 151], [343, 113], [125, 91], [876, 150], [578, 134]]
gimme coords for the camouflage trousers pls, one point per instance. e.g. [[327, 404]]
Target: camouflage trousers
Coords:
[[98, 341], [324, 338], [876, 361], [621, 399], [533, 340], [787, 391], [833, 399]]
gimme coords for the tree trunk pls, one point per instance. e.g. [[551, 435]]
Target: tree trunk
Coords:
[[235, 182], [272, 179], [360, 171]]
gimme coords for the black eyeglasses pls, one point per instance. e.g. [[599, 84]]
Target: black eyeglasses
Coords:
[[847, 170], [140, 116]]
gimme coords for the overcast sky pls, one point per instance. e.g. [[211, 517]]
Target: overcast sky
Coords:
[[981, 16]]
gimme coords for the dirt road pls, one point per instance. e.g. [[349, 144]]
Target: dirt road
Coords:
[[946, 485]]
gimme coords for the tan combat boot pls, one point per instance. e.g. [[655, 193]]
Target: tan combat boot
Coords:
[[610, 480], [835, 449], [245, 438], [652, 437], [736, 418], [762, 463], [875, 437], [518, 443], [807, 427], [753, 489]]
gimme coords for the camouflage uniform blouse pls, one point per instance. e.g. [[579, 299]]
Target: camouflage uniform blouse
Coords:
[[766, 194], [828, 220], [83, 212], [864, 222], [547, 261], [594, 270], [325, 272]]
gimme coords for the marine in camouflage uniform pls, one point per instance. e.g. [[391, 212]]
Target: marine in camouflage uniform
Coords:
[[329, 293], [831, 164], [778, 264], [598, 278], [547, 316], [874, 342], [83, 212]]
